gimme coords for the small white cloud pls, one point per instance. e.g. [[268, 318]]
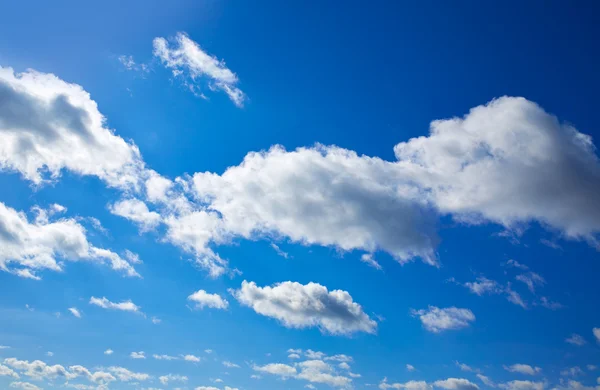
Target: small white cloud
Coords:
[[229, 364], [75, 312], [596, 332], [525, 369], [456, 384], [203, 299], [437, 320], [156, 320], [410, 367], [137, 355], [122, 306], [370, 261], [191, 358], [50, 353], [576, 339], [108, 352]]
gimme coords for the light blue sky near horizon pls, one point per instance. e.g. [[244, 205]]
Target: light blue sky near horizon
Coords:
[[360, 76]]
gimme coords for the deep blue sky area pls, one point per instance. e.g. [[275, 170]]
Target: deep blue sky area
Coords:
[[363, 76]]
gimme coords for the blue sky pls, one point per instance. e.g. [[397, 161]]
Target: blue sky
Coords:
[[286, 195]]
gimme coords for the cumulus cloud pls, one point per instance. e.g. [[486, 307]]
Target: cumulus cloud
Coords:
[[311, 305], [24, 386], [456, 384], [191, 358], [47, 125], [6, 371], [596, 332], [104, 303], [187, 59], [410, 367], [525, 369], [136, 211], [125, 375], [437, 320], [509, 162], [27, 247], [203, 299], [38, 369], [313, 371]]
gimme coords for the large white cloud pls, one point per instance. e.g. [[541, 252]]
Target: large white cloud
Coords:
[[437, 320], [325, 196], [47, 124], [300, 306], [187, 59], [509, 162], [28, 247]]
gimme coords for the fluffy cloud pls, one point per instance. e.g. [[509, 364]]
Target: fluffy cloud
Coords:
[[314, 371], [47, 125], [576, 339], [191, 358], [165, 379], [6, 371], [187, 59], [509, 162], [136, 211], [311, 305], [123, 306], [456, 384], [203, 299], [410, 385], [28, 247], [125, 375], [522, 385], [38, 369], [108, 352], [137, 355], [164, 357], [483, 286], [24, 386], [277, 369], [596, 332], [437, 320], [525, 369], [75, 312], [325, 196]]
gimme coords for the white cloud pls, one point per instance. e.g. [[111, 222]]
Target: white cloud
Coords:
[[572, 371], [311, 305], [576, 339], [456, 384], [191, 358], [28, 247], [24, 386], [437, 320], [532, 280], [48, 125], [340, 200], [165, 379], [596, 332], [104, 303], [522, 385], [509, 162], [75, 312], [203, 299], [206, 388], [229, 364], [370, 261], [108, 352], [38, 369], [293, 356], [137, 355], [277, 369], [410, 367], [410, 385], [552, 305], [483, 285], [465, 367], [525, 369], [514, 297], [314, 371], [156, 320], [186, 58], [49, 353], [6, 371], [125, 375], [136, 211], [314, 355], [486, 381], [129, 63], [164, 357]]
